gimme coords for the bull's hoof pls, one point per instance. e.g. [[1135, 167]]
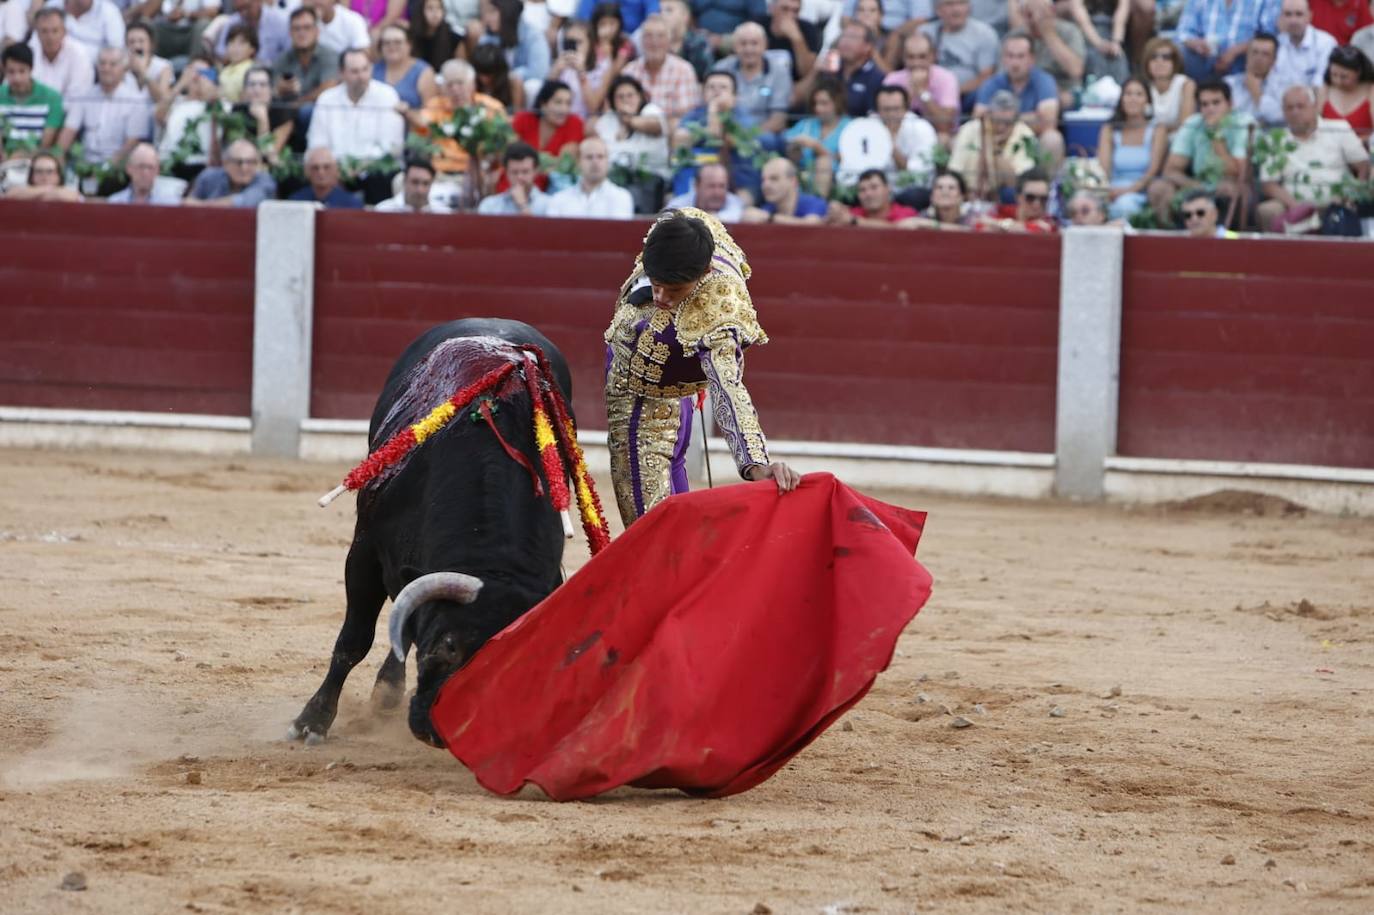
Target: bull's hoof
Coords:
[[386, 697], [305, 733]]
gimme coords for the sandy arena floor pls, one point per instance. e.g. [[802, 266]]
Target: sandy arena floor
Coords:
[[1171, 711]]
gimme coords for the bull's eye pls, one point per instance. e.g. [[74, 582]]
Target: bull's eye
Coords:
[[449, 643]]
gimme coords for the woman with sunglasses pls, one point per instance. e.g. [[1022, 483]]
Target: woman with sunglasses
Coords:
[[1173, 95], [1348, 93]]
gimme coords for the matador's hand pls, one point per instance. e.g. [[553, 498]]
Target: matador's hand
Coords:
[[787, 478]]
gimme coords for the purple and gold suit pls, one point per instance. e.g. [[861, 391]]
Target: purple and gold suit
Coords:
[[657, 361]]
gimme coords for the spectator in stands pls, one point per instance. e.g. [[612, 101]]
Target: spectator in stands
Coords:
[[1256, 92], [1327, 152], [1057, 46], [59, 61], [1200, 215], [432, 39], [670, 81], [322, 171], [1106, 56], [1348, 93], [177, 25], [798, 39], [493, 77], [271, 124], [1215, 33], [609, 49], [525, 47], [1341, 19], [593, 196], [1209, 150], [783, 199], [382, 14], [302, 73], [45, 182], [948, 210], [1029, 212], [32, 111], [990, 151], [414, 195], [523, 197], [762, 90], [186, 108], [1303, 48], [142, 168], [815, 141], [711, 193], [891, 15], [913, 139], [111, 118], [705, 130], [269, 22], [933, 90], [876, 208], [854, 67], [635, 129], [720, 18], [1085, 209], [95, 23], [241, 182], [14, 22], [151, 75], [358, 117], [1034, 89], [964, 46], [685, 40], [1173, 94], [240, 53], [869, 13], [340, 28], [412, 79], [1363, 40], [632, 12], [1131, 150], [550, 126], [458, 91]]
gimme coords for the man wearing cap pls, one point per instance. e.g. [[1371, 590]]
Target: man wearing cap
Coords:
[[681, 325]]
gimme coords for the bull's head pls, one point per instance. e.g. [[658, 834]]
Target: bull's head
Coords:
[[444, 615]]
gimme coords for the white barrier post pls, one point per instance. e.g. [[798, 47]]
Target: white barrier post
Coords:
[[1090, 274], [283, 322]]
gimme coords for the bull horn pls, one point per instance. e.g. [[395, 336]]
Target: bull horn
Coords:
[[454, 586]]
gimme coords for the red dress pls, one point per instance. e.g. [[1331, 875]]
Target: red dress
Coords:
[[1360, 118], [526, 126]]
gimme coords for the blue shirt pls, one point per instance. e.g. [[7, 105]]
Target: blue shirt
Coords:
[[862, 88], [720, 17], [1225, 24], [213, 183], [336, 199], [807, 205], [1039, 88], [633, 12]]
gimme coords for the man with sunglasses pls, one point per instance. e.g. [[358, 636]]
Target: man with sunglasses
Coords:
[[1030, 213], [241, 182], [1200, 216]]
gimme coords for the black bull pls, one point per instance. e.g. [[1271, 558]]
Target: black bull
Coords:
[[459, 504]]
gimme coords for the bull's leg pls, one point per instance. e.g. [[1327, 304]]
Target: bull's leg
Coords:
[[365, 593], [390, 685]]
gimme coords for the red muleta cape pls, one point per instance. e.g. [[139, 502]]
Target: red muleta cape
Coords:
[[705, 647]]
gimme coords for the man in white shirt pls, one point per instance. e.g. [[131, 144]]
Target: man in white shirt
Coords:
[[111, 118], [1303, 48], [340, 27], [1256, 92], [913, 139], [95, 23], [142, 169], [358, 117], [414, 196], [593, 197], [59, 60], [711, 192], [1327, 152]]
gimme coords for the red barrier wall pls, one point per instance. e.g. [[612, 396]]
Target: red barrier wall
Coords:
[[124, 308], [1248, 351], [899, 338]]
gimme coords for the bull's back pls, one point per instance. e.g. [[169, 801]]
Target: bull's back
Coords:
[[517, 332]]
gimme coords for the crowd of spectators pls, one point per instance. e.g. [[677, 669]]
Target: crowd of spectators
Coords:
[[1202, 116]]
